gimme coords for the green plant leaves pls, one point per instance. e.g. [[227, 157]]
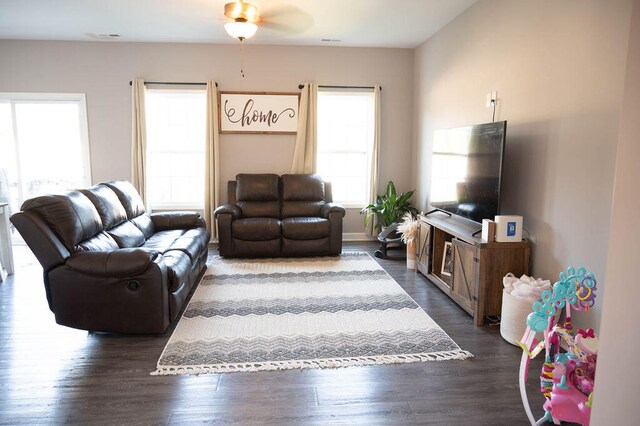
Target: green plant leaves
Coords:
[[389, 207]]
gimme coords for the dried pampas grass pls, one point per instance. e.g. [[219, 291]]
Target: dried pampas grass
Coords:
[[408, 228]]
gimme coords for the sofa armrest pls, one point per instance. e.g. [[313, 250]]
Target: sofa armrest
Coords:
[[225, 238], [334, 212], [176, 220], [122, 263], [234, 211], [332, 208]]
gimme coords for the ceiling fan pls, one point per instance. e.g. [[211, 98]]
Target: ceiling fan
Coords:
[[246, 19]]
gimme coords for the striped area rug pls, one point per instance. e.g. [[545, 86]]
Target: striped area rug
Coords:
[[323, 312]]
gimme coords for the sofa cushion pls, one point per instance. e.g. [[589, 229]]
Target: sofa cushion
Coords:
[[99, 242], [256, 229], [258, 209], [301, 208], [178, 266], [258, 195], [257, 187], [305, 228], [72, 217], [106, 202], [302, 195], [127, 235], [176, 220], [144, 224], [128, 196], [161, 241], [192, 242], [302, 188]]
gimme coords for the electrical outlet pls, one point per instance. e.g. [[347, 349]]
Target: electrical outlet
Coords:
[[492, 97]]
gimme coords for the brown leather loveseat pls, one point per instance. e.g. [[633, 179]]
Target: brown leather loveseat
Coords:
[[108, 265], [269, 216]]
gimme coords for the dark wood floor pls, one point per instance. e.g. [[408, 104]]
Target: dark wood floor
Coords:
[[52, 374]]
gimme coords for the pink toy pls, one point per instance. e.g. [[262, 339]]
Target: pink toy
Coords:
[[566, 379]]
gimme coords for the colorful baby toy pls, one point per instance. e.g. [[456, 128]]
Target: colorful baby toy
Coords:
[[569, 366]]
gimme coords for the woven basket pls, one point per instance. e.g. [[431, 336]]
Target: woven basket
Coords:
[[513, 321]]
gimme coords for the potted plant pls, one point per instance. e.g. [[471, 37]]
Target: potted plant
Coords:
[[389, 208]]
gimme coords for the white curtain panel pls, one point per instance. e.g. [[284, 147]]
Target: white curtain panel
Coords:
[[138, 138], [375, 156], [212, 159], [306, 147]]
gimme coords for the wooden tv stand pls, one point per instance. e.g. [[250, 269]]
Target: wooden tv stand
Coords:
[[477, 269]]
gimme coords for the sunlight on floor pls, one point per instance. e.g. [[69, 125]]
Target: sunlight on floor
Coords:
[[50, 351]]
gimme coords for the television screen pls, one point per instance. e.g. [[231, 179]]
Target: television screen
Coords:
[[466, 170]]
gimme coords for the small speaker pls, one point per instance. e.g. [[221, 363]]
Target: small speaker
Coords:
[[508, 229], [488, 230]]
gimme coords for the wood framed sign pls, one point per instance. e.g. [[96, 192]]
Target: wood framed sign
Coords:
[[258, 112]]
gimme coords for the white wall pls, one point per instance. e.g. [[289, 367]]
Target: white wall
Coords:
[[617, 378], [102, 70], [558, 68]]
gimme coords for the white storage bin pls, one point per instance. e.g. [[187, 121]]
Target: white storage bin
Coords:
[[513, 321]]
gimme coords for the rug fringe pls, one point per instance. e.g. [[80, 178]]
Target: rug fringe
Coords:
[[314, 363]]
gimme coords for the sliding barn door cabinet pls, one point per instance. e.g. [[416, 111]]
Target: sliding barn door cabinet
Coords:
[[467, 269]]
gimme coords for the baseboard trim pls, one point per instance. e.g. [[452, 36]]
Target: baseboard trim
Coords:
[[346, 236], [356, 236]]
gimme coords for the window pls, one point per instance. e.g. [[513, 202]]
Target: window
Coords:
[[345, 141], [44, 145], [176, 126]]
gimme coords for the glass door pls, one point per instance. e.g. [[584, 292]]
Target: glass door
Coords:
[[44, 146]]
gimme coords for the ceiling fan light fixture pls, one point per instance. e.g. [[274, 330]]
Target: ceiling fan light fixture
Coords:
[[241, 10], [241, 29]]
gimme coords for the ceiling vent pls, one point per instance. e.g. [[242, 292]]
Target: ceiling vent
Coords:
[[104, 36]]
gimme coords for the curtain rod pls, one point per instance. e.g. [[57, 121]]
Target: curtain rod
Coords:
[[173, 83], [301, 86]]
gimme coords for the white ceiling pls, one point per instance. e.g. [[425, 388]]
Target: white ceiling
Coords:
[[380, 23]]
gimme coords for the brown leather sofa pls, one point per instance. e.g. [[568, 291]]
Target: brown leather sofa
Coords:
[[108, 265], [269, 216]]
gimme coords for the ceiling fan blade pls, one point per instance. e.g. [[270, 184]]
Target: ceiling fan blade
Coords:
[[289, 19]]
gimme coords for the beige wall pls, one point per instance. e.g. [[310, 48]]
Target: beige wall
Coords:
[[103, 70], [616, 392], [558, 68]]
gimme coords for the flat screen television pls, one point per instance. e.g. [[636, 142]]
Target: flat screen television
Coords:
[[466, 170]]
